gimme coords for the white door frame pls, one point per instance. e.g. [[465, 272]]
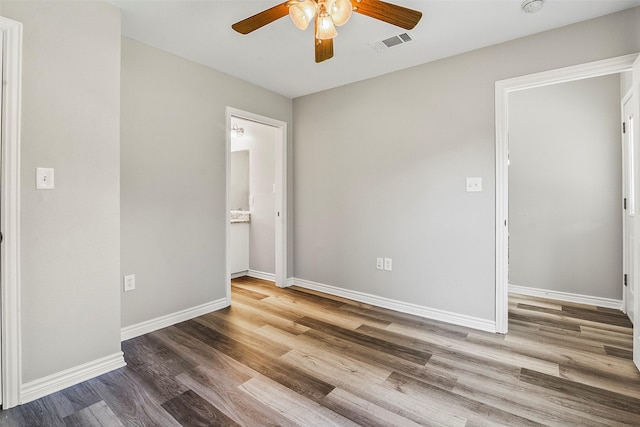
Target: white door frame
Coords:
[[10, 345], [636, 222], [502, 90], [630, 210], [280, 197]]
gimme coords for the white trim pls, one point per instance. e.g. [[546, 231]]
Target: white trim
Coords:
[[262, 275], [502, 90], [566, 296], [147, 326], [603, 67], [281, 193], [624, 213], [11, 345], [227, 204], [291, 281], [69, 377], [239, 274], [502, 210], [401, 306], [635, 278]]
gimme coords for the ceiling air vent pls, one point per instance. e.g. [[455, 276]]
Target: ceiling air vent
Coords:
[[385, 44]]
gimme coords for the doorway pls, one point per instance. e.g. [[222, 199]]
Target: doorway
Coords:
[[277, 194], [503, 89], [565, 192]]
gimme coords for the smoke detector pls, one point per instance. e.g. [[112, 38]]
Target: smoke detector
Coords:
[[532, 6]]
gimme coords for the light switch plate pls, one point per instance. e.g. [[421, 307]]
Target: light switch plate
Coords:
[[44, 179], [474, 184]]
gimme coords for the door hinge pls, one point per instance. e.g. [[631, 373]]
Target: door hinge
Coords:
[[624, 203], [624, 127], [625, 279]]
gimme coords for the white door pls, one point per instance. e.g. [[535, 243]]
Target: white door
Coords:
[[635, 137], [628, 206]]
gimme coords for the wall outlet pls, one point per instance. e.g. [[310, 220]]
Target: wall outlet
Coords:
[[379, 264], [129, 282], [388, 264]]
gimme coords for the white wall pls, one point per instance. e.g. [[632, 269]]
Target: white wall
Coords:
[[173, 177], [260, 140], [239, 185], [70, 238], [387, 178], [625, 83], [565, 188]]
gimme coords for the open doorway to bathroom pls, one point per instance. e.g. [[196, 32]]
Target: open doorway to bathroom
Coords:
[[256, 197]]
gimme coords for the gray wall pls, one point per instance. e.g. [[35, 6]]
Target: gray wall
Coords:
[[387, 178], [260, 140], [565, 188], [173, 177], [70, 238]]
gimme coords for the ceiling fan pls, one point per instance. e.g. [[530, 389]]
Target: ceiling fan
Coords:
[[326, 15]]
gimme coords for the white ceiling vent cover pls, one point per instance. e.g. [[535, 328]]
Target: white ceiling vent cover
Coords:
[[382, 45]]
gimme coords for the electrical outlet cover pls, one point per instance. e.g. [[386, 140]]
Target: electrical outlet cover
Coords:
[[129, 282]]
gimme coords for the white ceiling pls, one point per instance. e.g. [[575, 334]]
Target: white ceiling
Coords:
[[279, 57]]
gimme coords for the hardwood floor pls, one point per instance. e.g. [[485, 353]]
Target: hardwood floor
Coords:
[[291, 357]]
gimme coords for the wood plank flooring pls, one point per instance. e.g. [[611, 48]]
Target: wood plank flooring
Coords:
[[291, 357]]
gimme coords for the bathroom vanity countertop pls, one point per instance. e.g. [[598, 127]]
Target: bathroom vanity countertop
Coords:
[[238, 217]]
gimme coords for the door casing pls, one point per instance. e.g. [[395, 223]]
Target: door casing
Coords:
[[10, 344], [636, 225], [629, 200]]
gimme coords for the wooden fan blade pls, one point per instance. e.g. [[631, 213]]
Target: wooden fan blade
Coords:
[[261, 19], [324, 50], [387, 12]]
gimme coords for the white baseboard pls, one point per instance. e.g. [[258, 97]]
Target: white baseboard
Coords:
[[69, 377], [290, 282], [145, 327], [404, 307], [566, 296], [262, 275], [239, 274]]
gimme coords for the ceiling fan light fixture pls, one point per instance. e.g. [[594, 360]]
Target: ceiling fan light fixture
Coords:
[[326, 14], [340, 11], [302, 13], [325, 28]]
